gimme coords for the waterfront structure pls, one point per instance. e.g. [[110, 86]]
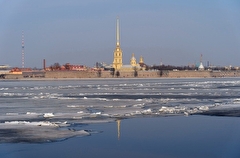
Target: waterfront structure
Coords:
[[118, 56], [4, 67], [117, 59]]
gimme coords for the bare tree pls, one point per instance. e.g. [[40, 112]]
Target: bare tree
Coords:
[[56, 66], [67, 66], [117, 73], [135, 73], [112, 72]]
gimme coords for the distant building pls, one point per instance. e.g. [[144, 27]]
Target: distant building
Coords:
[[118, 57], [78, 68], [201, 67], [17, 70], [65, 67], [4, 67]]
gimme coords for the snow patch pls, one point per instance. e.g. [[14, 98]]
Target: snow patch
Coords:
[[48, 115]]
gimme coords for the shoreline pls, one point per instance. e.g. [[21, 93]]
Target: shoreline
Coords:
[[84, 79]]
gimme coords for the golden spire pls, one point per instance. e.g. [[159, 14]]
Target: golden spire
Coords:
[[117, 56], [118, 33]]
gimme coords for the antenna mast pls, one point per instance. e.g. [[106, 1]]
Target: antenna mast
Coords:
[[22, 49]]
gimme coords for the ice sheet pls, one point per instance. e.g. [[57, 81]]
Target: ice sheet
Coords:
[[43, 111]]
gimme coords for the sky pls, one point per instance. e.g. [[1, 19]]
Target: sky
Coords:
[[83, 32]]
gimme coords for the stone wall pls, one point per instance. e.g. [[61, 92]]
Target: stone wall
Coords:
[[70, 74], [140, 74], [13, 76], [185, 74], [225, 74], [205, 74], [102, 74], [129, 74]]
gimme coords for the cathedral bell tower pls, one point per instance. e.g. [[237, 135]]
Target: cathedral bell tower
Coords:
[[117, 56]]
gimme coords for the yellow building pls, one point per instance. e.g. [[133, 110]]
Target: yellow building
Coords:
[[133, 65], [118, 56]]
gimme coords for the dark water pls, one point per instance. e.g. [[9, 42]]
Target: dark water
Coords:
[[178, 136]]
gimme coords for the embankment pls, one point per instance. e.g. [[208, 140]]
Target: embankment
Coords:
[[127, 74]]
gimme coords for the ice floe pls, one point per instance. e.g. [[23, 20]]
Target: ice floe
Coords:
[[41, 123], [48, 115], [36, 133]]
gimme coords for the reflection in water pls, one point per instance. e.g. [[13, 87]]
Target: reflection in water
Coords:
[[118, 128]]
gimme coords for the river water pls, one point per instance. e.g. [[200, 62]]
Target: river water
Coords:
[[120, 118]]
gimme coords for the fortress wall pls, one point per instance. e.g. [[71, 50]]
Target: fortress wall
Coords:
[[225, 74], [102, 74], [148, 74], [70, 74], [13, 76], [130, 74], [106, 74], [127, 74], [185, 74]]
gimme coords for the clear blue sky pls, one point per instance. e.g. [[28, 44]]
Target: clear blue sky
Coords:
[[175, 32]]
